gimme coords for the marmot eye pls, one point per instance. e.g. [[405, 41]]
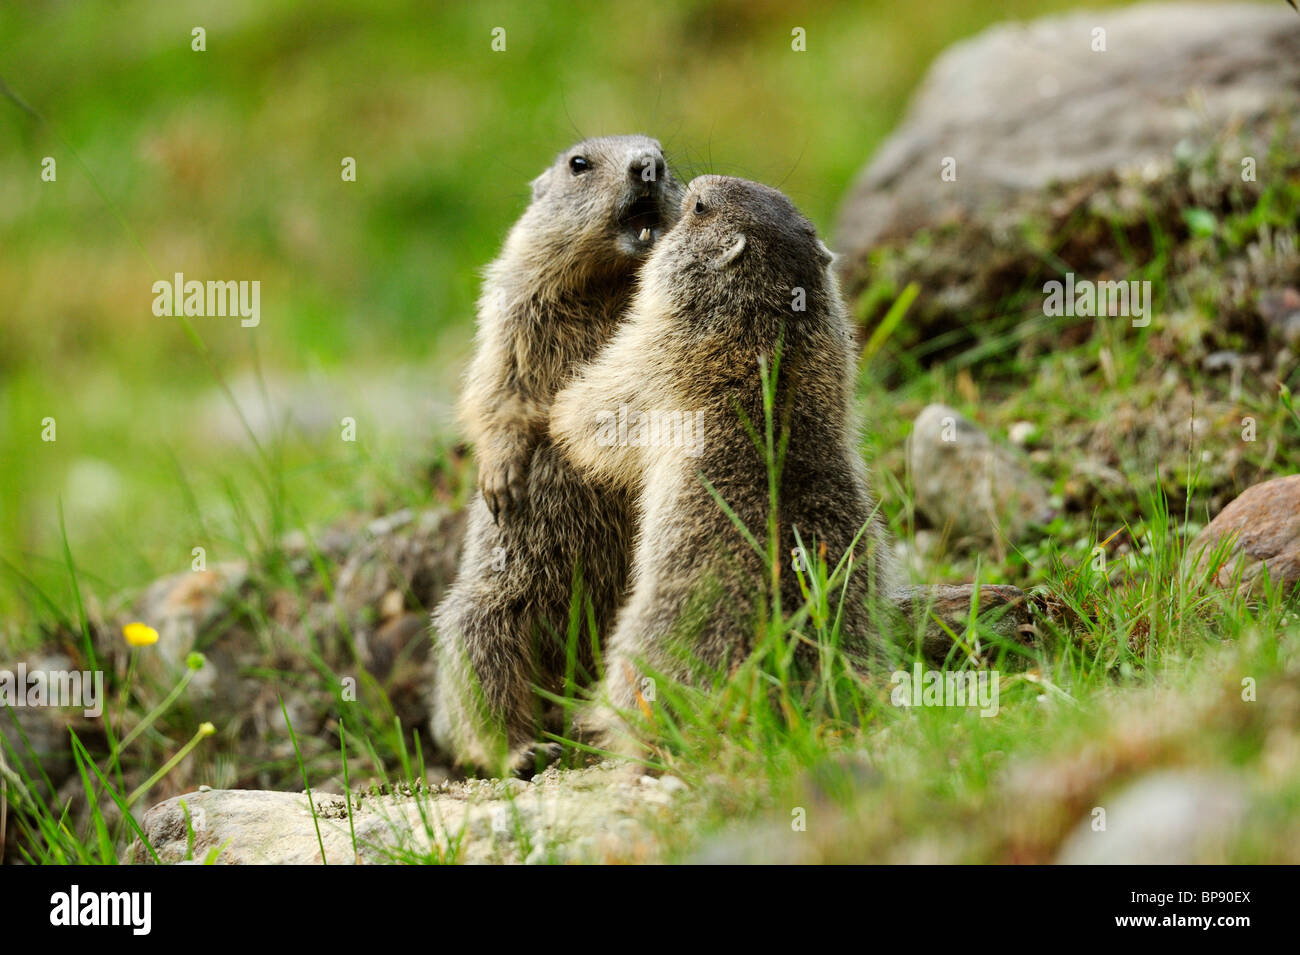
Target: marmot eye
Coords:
[[699, 207], [579, 165]]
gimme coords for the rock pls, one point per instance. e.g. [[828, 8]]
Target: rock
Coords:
[[36, 758], [671, 784], [1263, 524], [180, 607], [968, 487], [353, 598], [817, 823], [1165, 818], [1280, 308], [404, 561], [1221, 360], [934, 611], [1021, 433], [248, 827], [588, 815], [1052, 144], [757, 844], [47, 752], [1023, 105]]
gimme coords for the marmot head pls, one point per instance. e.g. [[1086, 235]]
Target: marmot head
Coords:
[[740, 251], [603, 204]]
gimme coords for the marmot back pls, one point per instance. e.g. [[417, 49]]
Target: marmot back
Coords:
[[741, 281]]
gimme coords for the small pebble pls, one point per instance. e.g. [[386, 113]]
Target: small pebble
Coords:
[[671, 784], [1021, 432]]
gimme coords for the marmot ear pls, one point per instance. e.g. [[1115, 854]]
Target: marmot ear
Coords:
[[730, 252], [824, 254], [539, 186]]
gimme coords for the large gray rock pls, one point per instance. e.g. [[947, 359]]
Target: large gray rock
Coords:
[[1070, 161], [1024, 105]]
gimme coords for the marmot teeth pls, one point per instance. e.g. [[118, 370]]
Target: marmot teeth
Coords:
[[645, 235]]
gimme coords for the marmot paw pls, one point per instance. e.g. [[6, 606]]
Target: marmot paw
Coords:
[[502, 484], [536, 758]]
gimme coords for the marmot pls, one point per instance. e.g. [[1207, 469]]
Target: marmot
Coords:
[[538, 533], [719, 294]]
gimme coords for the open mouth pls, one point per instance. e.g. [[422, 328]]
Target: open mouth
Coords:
[[642, 221]]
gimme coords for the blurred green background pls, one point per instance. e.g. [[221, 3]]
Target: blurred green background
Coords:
[[225, 164]]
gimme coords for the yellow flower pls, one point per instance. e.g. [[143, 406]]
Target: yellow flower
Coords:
[[140, 634]]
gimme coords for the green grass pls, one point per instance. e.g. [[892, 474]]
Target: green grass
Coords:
[[1156, 640]]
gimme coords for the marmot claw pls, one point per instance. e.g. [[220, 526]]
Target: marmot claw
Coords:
[[502, 485]]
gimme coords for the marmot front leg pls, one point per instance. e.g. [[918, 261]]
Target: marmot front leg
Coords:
[[504, 418], [584, 414], [503, 460]]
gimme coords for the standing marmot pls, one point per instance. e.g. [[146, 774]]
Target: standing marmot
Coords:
[[549, 302], [669, 405]]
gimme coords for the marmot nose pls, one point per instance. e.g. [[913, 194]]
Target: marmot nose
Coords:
[[648, 168]]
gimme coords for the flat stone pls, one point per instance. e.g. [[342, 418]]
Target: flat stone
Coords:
[[586, 815]]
